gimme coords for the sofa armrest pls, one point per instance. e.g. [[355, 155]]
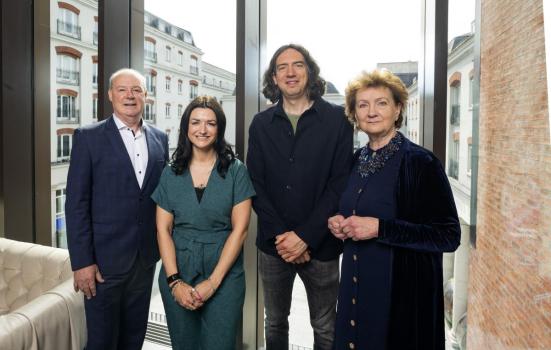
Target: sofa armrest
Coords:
[[16, 332], [57, 318]]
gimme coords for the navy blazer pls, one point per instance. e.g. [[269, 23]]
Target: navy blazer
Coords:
[[110, 219]]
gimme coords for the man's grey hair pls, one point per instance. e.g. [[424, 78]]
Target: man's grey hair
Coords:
[[127, 71]]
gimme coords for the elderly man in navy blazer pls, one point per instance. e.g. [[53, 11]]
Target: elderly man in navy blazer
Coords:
[[115, 166]]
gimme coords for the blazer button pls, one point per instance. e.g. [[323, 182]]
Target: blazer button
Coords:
[[291, 159], [288, 187], [352, 323], [351, 346], [355, 279]]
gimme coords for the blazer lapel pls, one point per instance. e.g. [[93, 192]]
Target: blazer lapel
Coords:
[[114, 136]]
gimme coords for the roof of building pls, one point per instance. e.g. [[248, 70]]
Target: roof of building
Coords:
[[168, 28], [457, 41], [330, 88]]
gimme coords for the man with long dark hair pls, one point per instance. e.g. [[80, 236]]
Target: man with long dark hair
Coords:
[[300, 151]]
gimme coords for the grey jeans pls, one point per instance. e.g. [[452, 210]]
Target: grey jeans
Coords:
[[321, 280]]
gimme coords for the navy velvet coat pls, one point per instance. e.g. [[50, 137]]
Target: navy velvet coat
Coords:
[[426, 226]]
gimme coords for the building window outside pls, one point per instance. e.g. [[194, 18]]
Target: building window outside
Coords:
[[150, 53], [95, 108], [180, 58], [469, 158], [180, 87], [167, 84], [66, 108], [455, 110], [194, 67], [95, 74], [193, 91], [60, 230], [453, 161], [67, 23], [149, 113], [64, 143], [168, 53], [150, 84], [167, 110], [180, 109], [471, 91], [95, 40], [67, 69]]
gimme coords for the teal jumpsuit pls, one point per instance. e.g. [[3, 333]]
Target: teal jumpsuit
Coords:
[[200, 231]]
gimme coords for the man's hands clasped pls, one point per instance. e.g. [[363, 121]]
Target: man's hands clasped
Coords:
[[292, 248]]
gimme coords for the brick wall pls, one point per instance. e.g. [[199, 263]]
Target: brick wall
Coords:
[[510, 272]]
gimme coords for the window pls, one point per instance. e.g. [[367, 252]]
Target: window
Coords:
[[180, 109], [167, 84], [469, 155], [180, 58], [471, 91], [95, 40], [167, 110], [67, 22], [453, 159], [60, 231], [149, 112], [179, 87], [95, 107], [95, 74], [150, 82], [67, 69], [192, 90], [64, 143], [194, 67], [455, 107], [66, 107], [168, 53], [150, 53]]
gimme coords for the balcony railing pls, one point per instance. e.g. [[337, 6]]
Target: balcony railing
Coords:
[[68, 29], [194, 70], [67, 76], [95, 40], [455, 115], [150, 56], [70, 117]]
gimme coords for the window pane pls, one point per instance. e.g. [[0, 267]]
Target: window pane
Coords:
[[203, 45], [73, 97], [458, 164]]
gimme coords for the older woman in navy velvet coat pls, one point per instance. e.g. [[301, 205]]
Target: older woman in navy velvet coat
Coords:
[[396, 217]]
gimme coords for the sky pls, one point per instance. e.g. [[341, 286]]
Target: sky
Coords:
[[344, 36]]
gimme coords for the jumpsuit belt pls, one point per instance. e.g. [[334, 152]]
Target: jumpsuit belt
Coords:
[[190, 250]]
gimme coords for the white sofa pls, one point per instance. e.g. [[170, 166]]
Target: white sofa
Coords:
[[39, 308]]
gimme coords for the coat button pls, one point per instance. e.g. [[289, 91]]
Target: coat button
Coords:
[[354, 301], [352, 323], [288, 187], [355, 257], [351, 345], [291, 159], [355, 279]]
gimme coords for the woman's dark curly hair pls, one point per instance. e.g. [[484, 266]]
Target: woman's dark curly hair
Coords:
[[184, 151], [316, 84]]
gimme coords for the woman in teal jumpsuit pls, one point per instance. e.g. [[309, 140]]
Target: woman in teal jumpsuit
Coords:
[[203, 210]]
